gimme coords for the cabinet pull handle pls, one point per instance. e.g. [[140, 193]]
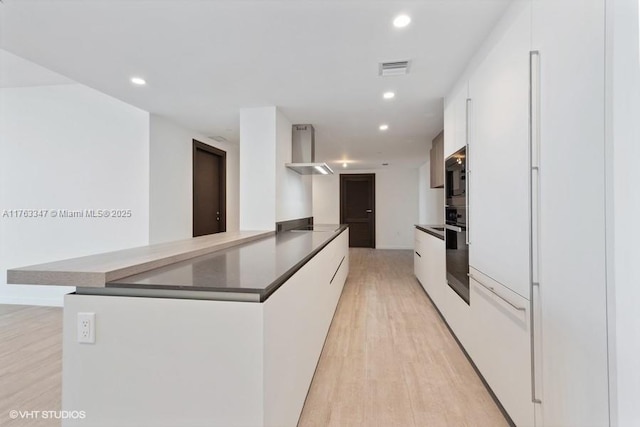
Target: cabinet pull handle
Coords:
[[493, 291], [467, 170], [337, 269], [453, 228], [534, 202], [418, 254]]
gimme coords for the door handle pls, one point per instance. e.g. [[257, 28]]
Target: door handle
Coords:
[[369, 210], [468, 113], [534, 208], [493, 291]]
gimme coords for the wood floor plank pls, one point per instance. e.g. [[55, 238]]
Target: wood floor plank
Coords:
[[30, 363], [389, 359]]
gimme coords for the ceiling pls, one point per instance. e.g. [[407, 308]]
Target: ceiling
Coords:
[[18, 72], [316, 60]]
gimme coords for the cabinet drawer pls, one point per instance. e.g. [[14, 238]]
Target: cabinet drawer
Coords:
[[419, 259], [501, 345]]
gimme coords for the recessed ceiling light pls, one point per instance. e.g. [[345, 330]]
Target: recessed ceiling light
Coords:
[[383, 127], [389, 95], [344, 165], [138, 81], [401, 21]]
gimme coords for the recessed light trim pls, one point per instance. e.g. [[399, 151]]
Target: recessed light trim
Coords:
[[401, 21], [138, 81], [383, 127], [389, 95]]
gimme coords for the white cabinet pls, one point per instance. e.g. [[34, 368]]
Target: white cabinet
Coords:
[[419, 267], [498, 157], [569, 35], [500, 348], [430, 265], [430, 268], [297, 318], [436, 267], [455, 120]]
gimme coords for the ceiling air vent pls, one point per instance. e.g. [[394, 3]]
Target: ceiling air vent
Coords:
[[219, 138], [397, 68]]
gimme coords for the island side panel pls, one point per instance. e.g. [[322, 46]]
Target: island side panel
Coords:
[[296, 322], [164, 362]]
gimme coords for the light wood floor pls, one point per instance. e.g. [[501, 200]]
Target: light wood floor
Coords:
[[30, 362], [389, 360]]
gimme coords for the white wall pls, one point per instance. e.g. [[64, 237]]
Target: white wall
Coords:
[[68, 147], [396, 204], [171, 180], [257, 168], [293, 191], [430, 200], [624, 207], [268, 191]]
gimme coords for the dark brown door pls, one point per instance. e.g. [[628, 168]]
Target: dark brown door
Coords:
[[357, 208], [209, 171]]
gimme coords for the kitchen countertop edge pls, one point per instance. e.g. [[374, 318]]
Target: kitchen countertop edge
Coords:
[[430, 229], [95, 271]]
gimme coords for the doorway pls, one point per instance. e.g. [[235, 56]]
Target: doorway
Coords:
[[357, 208], [209, 189]]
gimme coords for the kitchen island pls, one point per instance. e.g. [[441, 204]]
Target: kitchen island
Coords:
[[229, 338]]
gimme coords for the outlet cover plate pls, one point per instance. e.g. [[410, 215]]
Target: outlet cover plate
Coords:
[[86, 328]]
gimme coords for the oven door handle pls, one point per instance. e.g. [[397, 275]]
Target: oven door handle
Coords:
[[453, 228]]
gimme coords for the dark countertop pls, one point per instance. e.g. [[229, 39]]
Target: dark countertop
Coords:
[[432, 230], [256, 268]]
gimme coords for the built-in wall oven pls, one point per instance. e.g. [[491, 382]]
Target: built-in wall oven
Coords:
[[456, 237]]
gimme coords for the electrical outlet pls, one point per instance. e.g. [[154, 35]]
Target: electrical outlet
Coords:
[[87, 328]]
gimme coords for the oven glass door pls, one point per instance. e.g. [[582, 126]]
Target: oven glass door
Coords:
[[456, 224], [457, 260]]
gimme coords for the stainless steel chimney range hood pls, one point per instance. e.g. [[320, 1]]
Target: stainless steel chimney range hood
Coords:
[[303, 145]]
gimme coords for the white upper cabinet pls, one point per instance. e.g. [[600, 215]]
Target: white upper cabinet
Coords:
[[455, 120], [498, 157], [569, 35]]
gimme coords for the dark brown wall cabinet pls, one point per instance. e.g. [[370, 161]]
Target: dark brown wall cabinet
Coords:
[[437, 161]]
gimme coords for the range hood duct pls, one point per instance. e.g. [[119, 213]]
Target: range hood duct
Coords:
[[303, 146]]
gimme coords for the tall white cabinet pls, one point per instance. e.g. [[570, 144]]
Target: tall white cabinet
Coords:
[[499, 157], [535, 120], [499, 235], [569, 35]]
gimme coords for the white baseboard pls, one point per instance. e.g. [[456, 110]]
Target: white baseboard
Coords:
[[46, 302]]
